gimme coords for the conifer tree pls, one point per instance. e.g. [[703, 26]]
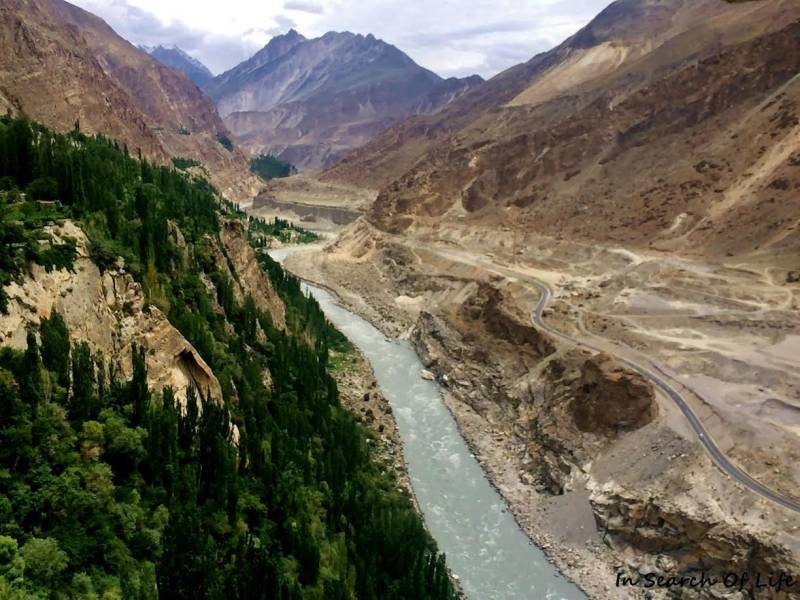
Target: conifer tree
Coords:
[[56, 347], [83, 404], [31, 384], [139, 394]]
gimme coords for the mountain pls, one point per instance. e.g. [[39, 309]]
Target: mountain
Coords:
[[629, 195], [174, 57], [231, 81], [311, 101], [60, 64], [697, 98]]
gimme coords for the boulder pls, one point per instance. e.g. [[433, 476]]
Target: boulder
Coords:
[[611, 397]]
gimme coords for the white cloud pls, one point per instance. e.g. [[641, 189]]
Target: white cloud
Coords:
[[304, 6], [450, 37]]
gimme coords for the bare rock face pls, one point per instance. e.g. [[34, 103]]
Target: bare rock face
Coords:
[[504, 320], [248, 276], [688, 542], [107, 311], [431, 339], [612, 398]]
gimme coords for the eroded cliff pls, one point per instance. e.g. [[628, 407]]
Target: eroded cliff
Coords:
[[108, 311]]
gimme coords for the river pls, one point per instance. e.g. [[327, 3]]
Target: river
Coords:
[[486, 549]]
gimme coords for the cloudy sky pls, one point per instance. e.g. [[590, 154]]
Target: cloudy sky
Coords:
[[450, 37]]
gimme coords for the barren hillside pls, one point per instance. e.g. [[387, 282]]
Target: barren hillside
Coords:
[[698, 100], [61, 64]]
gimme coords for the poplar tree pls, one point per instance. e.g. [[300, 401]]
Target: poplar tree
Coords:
[[56, 347]]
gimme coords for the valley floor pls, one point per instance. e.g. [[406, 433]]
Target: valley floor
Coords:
[[727, 334]]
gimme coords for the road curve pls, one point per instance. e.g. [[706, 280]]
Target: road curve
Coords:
[[717, 455]]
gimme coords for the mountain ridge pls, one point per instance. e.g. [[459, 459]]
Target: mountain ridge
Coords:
[[175, 57], [61, 64], [310, 100], [524, 141]]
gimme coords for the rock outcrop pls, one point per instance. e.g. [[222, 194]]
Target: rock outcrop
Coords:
[[249, 279], [504, 320], [108, 311], [611, 398], [689, 543]]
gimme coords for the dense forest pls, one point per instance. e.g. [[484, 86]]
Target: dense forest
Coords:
[[110, 491], [269, 167]]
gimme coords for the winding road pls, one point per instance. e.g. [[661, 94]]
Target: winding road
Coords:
[[717, 455], [711, 447]]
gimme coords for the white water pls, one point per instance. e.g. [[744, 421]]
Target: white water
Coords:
[[485, 547]]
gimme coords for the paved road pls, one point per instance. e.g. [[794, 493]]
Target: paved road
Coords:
[[719, 458], [717, 455]]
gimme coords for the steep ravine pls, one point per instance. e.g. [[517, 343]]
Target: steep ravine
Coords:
[[592, 466]]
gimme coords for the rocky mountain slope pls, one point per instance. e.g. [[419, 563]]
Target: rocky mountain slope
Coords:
[[699, 99], [311, 101], [645, 172], [61, 64], [174, 57]]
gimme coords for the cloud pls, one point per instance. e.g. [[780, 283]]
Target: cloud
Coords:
[[458, 38], [304, 6], [284, 23], [450, 37], [219, 48]]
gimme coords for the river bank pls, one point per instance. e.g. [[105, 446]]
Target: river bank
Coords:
[[646, 501], [498, 507], [471, 522], [361, 395]]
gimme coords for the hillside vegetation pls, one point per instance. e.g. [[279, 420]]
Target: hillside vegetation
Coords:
[[110, 490]]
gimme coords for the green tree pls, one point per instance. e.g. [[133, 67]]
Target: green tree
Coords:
[[43, 188], [44, 560], [31, 384], [83, 403], [56, 347], [12, 565], [139, 395]]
